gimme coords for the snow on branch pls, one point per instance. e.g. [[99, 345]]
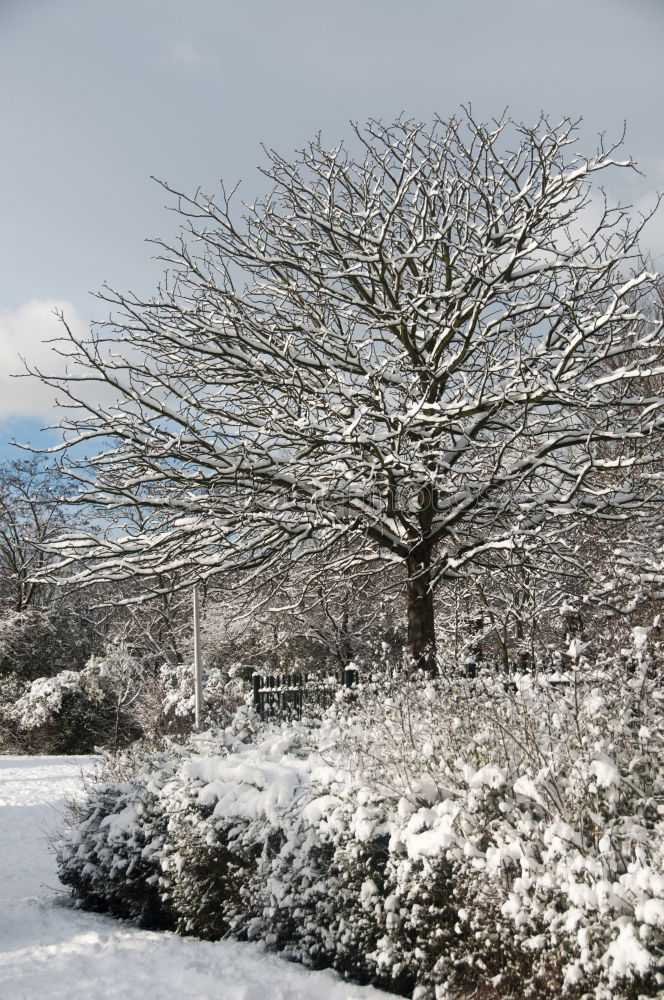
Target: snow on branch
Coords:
[[418, 314]]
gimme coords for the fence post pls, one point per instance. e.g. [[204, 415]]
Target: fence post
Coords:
[[256, 679], [351, 676]]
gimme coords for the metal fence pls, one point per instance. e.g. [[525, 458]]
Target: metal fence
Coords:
[[289, 696], [286, 696]]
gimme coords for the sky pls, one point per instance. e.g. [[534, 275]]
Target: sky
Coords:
[[99, 98]]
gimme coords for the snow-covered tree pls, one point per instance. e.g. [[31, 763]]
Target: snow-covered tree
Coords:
[[412, 347], [30, 515], [43, 629], [308, 620]]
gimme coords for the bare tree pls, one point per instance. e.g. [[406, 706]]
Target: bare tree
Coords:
[[309, 617], [411, 343], [30, 515]]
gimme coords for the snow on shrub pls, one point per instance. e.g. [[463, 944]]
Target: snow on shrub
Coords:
[[438, 838], [223, 693], [111, 701], [111, 857], [45, 697], [73, 710]]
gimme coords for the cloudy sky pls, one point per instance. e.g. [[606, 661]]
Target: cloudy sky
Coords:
[[98, 97]]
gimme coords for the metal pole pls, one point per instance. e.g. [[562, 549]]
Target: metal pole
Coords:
[[198, 672]]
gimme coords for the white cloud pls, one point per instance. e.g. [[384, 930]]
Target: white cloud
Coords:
[[24, 334], [189, 55], [651, 242], [652, 239]]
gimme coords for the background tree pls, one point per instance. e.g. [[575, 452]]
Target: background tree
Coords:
[[411, 346], [46, 628], [43, 628], [306, 620], [31, 514]]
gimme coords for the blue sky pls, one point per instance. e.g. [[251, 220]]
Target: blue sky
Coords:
[[98, 97]]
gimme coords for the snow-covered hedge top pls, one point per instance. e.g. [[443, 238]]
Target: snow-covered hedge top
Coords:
[[545, 800]]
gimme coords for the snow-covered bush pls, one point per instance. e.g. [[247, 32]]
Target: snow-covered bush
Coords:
[[40, 642], [111, 701], [223, 693], [538, 807], [494, 837], [112, 860], [73, 711]]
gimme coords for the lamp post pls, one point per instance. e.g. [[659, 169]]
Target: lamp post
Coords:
[[198, 672]]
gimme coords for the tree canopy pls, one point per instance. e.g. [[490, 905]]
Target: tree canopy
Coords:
[[419, 347]]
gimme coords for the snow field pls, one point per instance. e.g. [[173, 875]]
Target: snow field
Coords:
[[48, 950]]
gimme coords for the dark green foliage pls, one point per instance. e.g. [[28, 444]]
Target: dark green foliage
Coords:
[[82, 724], [111, 860], [206, 887]]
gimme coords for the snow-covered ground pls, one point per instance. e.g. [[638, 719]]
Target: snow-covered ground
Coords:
[[50, 950]]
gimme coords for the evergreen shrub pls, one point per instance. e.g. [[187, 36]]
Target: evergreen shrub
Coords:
[[441, 839]]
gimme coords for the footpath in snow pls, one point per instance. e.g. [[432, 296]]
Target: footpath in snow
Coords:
[[49, 950]]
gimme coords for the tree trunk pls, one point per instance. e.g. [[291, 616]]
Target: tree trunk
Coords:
[[419, 600]]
